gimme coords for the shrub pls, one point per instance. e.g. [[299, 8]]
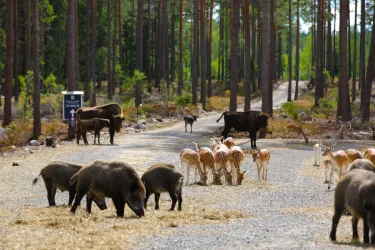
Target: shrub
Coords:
[[290, 108], [184, 99]]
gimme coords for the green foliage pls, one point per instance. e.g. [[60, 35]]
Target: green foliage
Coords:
[[25, 100], [50, 84], [166, 93], [291, 109], [184, 99], [130, 82]]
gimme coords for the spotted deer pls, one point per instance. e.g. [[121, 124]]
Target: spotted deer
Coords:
[[229, 142], [207, 159], [370, 154], [353, 154], [261, 158], [318, 153], [339, 159], [221, 154], [190, 159], [236, 157], [297, 129]]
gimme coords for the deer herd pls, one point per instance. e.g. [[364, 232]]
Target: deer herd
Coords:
[[223, 161]]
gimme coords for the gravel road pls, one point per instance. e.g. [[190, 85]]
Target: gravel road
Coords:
[[292, 210]]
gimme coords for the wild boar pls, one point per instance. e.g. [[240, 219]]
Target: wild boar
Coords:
[[56, 175], [117, 180], [355, 193], [162, 178], [362, 164]]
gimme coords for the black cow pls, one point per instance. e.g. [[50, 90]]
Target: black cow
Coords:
[[250, 121]]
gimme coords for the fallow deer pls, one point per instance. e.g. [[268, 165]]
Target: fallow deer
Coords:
[[339, 159], [190, 158], [353, 154], [207, 159], [297, 129], [236, 157], [370, 154], [221, 154], [318, 152], [261, 158]]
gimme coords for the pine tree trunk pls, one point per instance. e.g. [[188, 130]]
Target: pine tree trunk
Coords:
[[343, 107], [297, 52], [362, 48], [70, 47], [138, 99], [194, 66], [27, 36], [319, 54], [180, 56], [273, 42], [329, 41], [247, 81], [349, 49], [235, 26], [93, 52], [157, 47], [173, 41], [266, 45], [280, 61], [334, 62], [202, 28], [109, 51], [76, 73], [290, 52], [354, 90], [114, 40], [37, 127], [253, 45], [87, 52], [16, 38], [8, 64], [209, 53]]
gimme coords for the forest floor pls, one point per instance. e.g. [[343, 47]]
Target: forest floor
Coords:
[[292, 210]]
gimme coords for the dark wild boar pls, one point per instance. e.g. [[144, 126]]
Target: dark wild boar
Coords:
[[362, 164], [162, 178], [355, 193], [250, 121], [116, 180], [56, 175], [112, 112], [95, 124]]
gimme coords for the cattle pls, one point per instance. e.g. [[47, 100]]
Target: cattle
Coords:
[[112, 112], [250, 121]]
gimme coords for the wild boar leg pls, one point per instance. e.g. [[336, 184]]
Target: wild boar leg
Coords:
[[179, 196], [95, 134], [80, 193], [157, 197], [366, 231], [88, 202], [50, 197], [335, 221], [173, 196], [72, 193], [355, 228], [99, 137], [119, 205], [147, 197]]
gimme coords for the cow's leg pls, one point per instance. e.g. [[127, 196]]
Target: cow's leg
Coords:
[[253, 137], [84, 135], [111, 131], [95, 134], [185, 126], [191, 127], [99, 137]]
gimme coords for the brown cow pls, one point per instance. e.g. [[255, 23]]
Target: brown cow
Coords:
[[112, 112], [250, 121]]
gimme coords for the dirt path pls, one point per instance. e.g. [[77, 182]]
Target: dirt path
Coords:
[[291, 211]]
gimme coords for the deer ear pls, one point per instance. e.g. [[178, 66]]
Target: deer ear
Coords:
[[367, 205]]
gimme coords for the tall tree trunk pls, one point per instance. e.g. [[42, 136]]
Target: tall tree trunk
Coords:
[[343, 107], [194, 66], [180, 55], [260, 47], [334, 62], [354, 90], [266, 45], [76, 45], [138, 99], [131, 57], [273, 42], [202, 28], [313, 44], [247, 81], [70, 47], [370, 76], [329, 40], [27, 36], [349, 49], [157, 46], [319, 54], [87, 52], [235, 26], [362, 48], [166, 44], [209, 53], [173, 40], [290, 52], [42, 45], [114, 48], [16, 81], [8, 64], [109, 52], [297, 53], [37, 127], [149, 41], [93, 52], [279, 60], [253, 44]]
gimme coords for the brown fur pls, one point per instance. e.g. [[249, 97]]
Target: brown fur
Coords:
[[117, 180], [112, 112], [56, 175], [236, 157], [362, 164], [353, 154], [355, 193], [95, 124], [207, 159], [370, 154], [191, 159], [162, 178]]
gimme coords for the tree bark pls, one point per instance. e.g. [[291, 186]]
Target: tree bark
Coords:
[[319, 54], [343, 107], [180, 55], [173, 41], [362, 48], [290, 52], [114, 48], [37, 128], [202, 28], [87, 52], [93, 52], [109, 52], [297, 52], [16, 38], [27, 36], [138, 99], [329, 40], [194, 66], [334, 63], [209, 53], [265, 47], [354, 89], [8, 64], [370, 76], [70, 47], [247, 81], [235, 26]]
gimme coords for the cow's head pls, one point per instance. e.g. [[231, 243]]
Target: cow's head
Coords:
[[118, 119], [262, 120]]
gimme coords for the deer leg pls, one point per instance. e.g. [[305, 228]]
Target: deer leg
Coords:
[[258, 169], [187, 174], [330, 176], [266, 166]]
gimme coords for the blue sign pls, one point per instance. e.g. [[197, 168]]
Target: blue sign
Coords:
[[72, 102]]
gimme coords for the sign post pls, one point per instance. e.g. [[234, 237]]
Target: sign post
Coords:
[[72, 101]]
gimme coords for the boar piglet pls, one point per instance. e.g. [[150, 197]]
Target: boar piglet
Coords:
[[56, 175], [355, 193], [117, 180], [163, 178]]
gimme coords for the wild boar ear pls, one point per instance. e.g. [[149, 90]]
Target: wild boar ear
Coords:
[[367, 205]]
